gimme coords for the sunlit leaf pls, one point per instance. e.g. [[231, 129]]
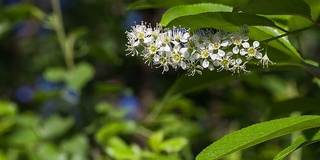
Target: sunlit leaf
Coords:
[[185, 10], [155, 141], [143, 4], [256, 134], [221, 20], [276, 7], [300, 142], [174, 144]]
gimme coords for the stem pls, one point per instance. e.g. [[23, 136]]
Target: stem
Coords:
[[58, 26], [286, 34], [296, 155]]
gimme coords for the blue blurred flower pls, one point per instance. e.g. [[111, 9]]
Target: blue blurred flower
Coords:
[[24, 94]]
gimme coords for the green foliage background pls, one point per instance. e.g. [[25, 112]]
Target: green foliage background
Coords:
[[78, 50]]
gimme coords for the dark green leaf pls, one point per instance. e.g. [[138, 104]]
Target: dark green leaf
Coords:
[[285, 107], [256, 134], [186, 10], [16, 13], [276, 7], [300, 142], [315, 70]]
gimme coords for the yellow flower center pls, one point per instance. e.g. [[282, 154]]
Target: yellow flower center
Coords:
[[252, 51], [216, 45], [140, 35], [176, 57], [153, 49], [225, 63], [204, 53], [237, 41]]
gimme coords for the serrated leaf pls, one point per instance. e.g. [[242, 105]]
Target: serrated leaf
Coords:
[[300, 142], [277, 7], [186, 10], [256, 134]]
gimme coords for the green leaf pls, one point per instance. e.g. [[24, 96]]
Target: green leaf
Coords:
[[155, 141], [77, 144], [174, 144], [118, 149], [315, 8], [113, 128], [300, 142], [80, 75], [185, 10], [199, 82], [146, 4], [54, 126], [256, 134], [221, 20], [7, 108], [280, 50], [285, 107], [48, 151], [16, 13], [55, 74], [277, 7]]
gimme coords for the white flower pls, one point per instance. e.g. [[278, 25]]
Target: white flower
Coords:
[[238, 67], [251, 51], [265, 61], [193, 52], [225, 62]]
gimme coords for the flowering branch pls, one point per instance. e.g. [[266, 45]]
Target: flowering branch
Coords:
[[194, 51]]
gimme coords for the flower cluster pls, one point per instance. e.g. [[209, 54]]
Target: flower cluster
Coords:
[[194, 51]]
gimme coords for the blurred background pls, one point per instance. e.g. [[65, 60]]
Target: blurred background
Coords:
[[68, 90]]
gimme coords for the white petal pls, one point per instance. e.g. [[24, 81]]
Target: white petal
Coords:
[[147, 40], [258, 55], [243, 52], [245, 38], [213, 56], [183, 50], [224, 43], [156, 58], [245, 45], [211, 67], [256, 44], [183, 65], [235, 50], [205, 63], [221, 53]]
